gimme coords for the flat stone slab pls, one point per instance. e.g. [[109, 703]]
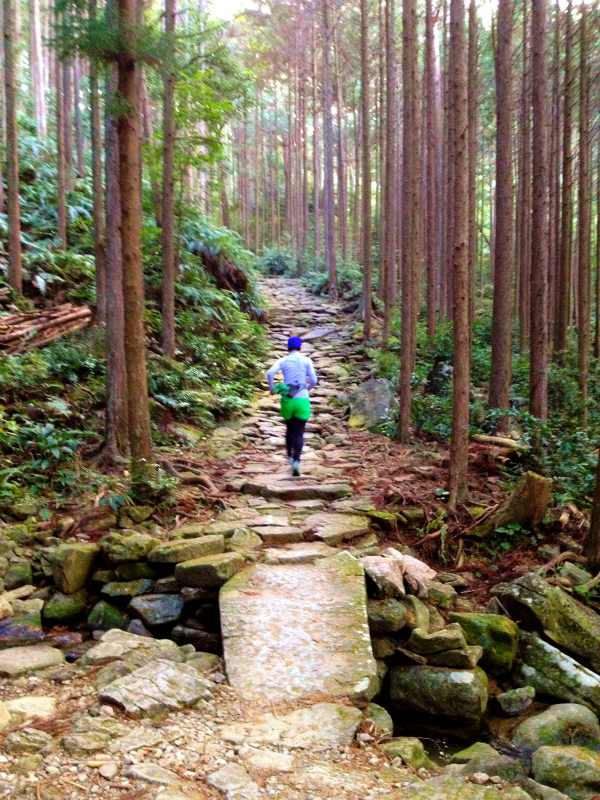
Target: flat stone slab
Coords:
[[186, 549], [290, 631], [274, 536], [20, 660], [116, 645], [299, 553], [321, 725], [296, 490], [335, 528], [159, 686]]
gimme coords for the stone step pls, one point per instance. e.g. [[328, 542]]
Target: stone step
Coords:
[[294, 489], [292, 631]]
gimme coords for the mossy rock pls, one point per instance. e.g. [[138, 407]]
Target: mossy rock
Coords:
[[572, 770], [498, 636], [72, 565], [105, 616], [19, 573], [386, 616], [120, 548], [63, 609], [561, 724], [411, 751]]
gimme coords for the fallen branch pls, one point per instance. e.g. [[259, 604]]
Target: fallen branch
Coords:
[[562, 557], [428, 538], [500, 441]]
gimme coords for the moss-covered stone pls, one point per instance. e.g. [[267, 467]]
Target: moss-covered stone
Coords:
[[127, 589], [498, 636], [572, 770], [186, 549], [562, 724], [19, 573], [424, 643], [62, 609], [502, 766], [441, 594], [410, 750], [72, 565], [209, 572], [466, 658], [450, 698], [134, 571], [386, 616], [105, 616], [119, 548], [380, 717], [417, 612], [475, 750], [134, 514], [565, 622]]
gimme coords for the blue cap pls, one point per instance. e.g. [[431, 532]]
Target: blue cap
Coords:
[[294, 343]]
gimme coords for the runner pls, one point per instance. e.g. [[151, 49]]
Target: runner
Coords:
[[299, 377]]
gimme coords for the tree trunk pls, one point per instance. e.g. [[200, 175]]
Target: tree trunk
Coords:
[[130, 185], [501, 366], [389, 212], [67, 97], [117, 412], [460, 256], [472, 91], [97, 188], [37, 69], [584, 215], [538, 375], [328, 198], [523, 249], [80, 144], [61, 163], [563, 293], [15, 273], [316, 160], [225, 210], [410, 218], [431, 136], [341, 153], [367, 302], [591, 545], [168, 197]]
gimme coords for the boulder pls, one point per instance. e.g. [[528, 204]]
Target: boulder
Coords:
[[410, 750], [514, 702], [19, 573], [562, 724], [450, 638], [157, 687], [372, 404], [454, 787], [418, 614], [443, 595], [324, 725], [63, 609], [553, 674], [209, 572], [23, 709], [540, 607], [20, 660], [117, 645], [233, 783], [244, 541], [28, 740], [134, 571], [105, 616], [386, 574], [157, 609], [502, 766], [467, 658], [119, 548], [127, 589], [386, 616], [476, 750], [572, 770], [448, 698], [73, 565], [538, 792], [380, 718], [186, 549], [498, 636]]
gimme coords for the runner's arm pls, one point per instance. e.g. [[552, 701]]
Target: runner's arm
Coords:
[[312, 375], [272, 372]]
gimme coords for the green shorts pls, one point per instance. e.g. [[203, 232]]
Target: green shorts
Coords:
[[295, 407]]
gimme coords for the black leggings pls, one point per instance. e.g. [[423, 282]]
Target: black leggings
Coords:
[[294, 437]]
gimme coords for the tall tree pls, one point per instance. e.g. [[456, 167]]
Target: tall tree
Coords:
[[410, 219], [36, 64], [501, 366], [584, 215], [97, 187], [61, 160], [473, 91], [168, 196], [563, 293], [460, 256], [15, 270], [130, 189], [389, 216], [432, 157], [366, 214], [538, 375], [328, 194]]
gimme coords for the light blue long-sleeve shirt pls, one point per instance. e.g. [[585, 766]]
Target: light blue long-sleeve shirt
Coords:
[[297, 369]]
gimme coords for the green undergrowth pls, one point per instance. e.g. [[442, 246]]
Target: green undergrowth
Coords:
[[52, 400]]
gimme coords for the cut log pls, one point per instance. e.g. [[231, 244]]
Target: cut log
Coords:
[[499, 441], [19, 332], [526, 506]]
